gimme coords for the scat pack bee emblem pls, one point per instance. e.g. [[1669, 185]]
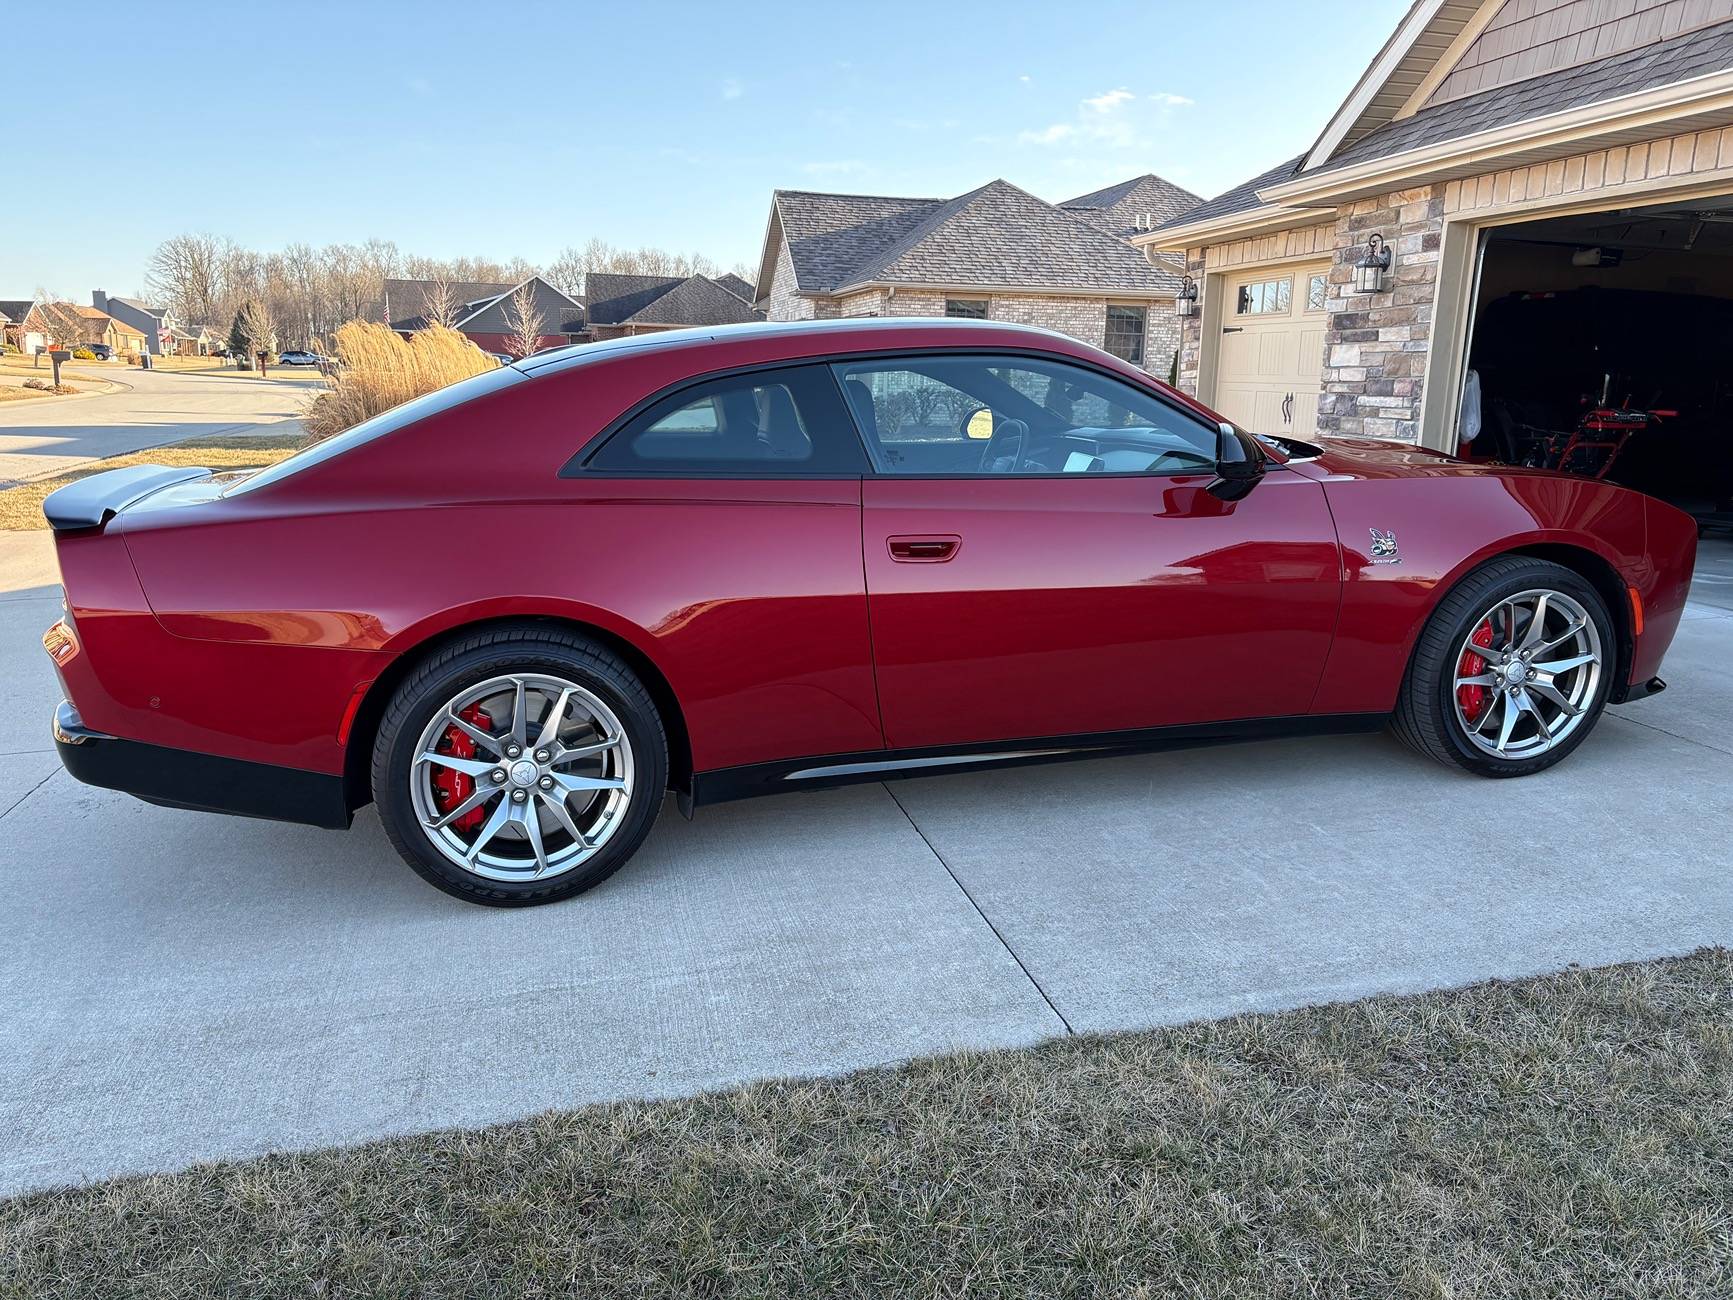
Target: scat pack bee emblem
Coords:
[[1384, 549]]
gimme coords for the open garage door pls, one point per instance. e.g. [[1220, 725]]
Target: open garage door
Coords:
[[1272, 349], [1600, 342]]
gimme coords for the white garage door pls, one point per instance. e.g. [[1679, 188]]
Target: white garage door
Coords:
[[1272, 350]]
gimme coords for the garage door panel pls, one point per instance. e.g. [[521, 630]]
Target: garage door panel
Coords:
[[1270, 363]]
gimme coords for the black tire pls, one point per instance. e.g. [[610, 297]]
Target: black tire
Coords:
[[474, 659], [1425, 716]]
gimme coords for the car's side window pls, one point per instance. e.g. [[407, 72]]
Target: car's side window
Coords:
[[784, 421], [992, 415]]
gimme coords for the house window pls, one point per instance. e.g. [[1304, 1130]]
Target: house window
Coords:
[[1317, 291], [1125, 326], [966, 308], [1266, 297]]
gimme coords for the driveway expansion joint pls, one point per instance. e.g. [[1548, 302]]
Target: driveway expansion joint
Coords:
[[979, 911]]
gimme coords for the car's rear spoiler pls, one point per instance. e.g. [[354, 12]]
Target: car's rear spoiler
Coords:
[[92, 502]]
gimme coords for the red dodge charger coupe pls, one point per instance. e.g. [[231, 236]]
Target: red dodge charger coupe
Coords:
[[517, 611]]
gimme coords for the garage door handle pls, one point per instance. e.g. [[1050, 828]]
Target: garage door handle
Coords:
[[924, 550], [1288, 409], [1233, 329]]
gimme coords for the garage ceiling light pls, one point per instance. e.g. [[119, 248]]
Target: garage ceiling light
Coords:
[[1374, 265]]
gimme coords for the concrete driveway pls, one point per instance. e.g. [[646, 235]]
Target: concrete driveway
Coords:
[[180, 987], [50, 436]]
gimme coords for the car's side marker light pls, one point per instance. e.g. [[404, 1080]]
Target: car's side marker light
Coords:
[[349, 712], [1636, 611]]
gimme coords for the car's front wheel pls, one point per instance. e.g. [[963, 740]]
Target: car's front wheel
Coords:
[[1512, 671], [519, 766]]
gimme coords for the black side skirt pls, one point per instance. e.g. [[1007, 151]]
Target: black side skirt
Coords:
[[827, 771], [179, 778]]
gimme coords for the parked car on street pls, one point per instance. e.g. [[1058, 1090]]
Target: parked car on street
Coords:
[[298, 357], [102, 351], [777, 557]]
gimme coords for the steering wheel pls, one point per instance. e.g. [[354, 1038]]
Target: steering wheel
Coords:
[[1010, 441]]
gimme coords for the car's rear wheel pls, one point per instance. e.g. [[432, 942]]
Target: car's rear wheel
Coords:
[[1512, 671], [519, 766]]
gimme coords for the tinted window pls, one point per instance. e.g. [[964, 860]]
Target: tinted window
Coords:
[[1015, 415], [764, 422]]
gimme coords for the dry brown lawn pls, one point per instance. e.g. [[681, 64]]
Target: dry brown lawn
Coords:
[[1567, 1136], [21, 507]]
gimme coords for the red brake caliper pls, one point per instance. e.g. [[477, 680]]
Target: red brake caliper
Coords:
[[452, 788], [1473, 698]]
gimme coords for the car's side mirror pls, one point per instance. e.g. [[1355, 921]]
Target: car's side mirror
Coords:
[[1240, 463]]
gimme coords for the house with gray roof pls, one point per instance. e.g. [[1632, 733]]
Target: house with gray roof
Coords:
[[486, 312], [644, 304], [1495, 153], [155, 323], [996, 252]]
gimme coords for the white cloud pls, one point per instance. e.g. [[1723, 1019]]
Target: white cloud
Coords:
[[1115, 119], [1110, 102], [1024, 78], [732, 89]]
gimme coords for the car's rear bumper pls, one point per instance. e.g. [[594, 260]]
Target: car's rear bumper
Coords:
[[179, 778]]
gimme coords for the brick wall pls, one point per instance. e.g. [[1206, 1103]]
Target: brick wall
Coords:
[[1375, 344], [783, 303]]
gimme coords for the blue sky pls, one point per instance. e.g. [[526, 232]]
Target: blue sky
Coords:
[[518, 128]]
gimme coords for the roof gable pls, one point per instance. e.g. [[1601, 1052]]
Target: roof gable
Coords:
[[1694, 54], [495, 314], [407, 301], [1141, 203], [830, 235], [1002, 235], [1426, 34], [737, 285], [696, 300]]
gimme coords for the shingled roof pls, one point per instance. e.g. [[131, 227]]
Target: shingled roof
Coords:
[[1695, 54], [737, 285], [406, 301], [1118, 209], [663, 300], [994, 236], [1241, 198]]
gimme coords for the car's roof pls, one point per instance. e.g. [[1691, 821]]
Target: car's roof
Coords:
[[766, 331]]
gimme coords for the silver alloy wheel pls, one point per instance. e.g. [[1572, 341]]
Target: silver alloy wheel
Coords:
[[552, 774], [1536, 677]]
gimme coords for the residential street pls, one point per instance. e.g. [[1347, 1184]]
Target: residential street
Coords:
[[49, 436], [182, 987]]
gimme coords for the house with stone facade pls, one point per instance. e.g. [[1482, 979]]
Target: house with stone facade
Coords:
[[995, 253], [1537, 192]]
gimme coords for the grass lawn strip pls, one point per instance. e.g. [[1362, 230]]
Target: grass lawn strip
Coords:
[[21, 506], [1561, 1136]]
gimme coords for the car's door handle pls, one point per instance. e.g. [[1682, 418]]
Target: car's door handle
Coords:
[[932, 549]]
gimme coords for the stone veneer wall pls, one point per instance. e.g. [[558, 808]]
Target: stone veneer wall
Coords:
[[1375, 344]]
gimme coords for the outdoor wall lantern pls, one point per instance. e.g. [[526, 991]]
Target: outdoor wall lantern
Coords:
[[1185, 303], [1371, 270]]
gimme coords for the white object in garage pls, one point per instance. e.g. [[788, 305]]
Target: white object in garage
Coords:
[[1271, 359]]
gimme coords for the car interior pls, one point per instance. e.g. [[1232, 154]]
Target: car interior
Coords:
[[974, 415]]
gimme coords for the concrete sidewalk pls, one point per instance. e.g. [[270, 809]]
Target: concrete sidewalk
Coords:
[[180, 987]]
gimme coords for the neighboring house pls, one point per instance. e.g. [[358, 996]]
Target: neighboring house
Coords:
[[197, 341], [995, 253], [484, 312], [737, 285], [154, 324], [1535, 155], [69, 325], [643, 304], [14, 330]]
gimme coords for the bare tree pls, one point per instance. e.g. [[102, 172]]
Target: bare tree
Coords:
[[188, 274], [439, 304], [524, 314], [252, 333]]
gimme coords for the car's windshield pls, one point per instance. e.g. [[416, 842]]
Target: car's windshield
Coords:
[[416, 408]]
